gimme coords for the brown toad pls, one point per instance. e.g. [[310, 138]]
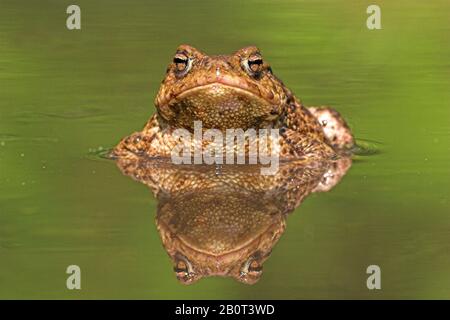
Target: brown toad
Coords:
[[235, 91]]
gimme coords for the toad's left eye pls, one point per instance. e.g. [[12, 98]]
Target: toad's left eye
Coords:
[[254, 65]]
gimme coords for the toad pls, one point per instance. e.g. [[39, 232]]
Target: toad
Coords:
[[235, 91]]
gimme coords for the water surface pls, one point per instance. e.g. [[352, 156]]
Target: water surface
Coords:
[[67, 95]]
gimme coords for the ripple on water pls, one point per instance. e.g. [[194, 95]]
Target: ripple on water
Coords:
[[5, 138], [99, 154], [364, 148]]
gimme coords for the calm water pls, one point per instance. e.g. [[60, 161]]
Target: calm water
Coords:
[[65, 96]]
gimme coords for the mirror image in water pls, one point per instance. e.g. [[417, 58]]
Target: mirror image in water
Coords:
[[225, 220]]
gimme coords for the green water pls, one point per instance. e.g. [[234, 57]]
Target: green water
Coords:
[[64, 95]]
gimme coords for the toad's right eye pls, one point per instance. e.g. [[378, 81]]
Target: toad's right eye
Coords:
[[182, 64]]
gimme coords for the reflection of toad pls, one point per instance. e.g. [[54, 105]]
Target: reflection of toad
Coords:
[[225, 220], [235, 91]]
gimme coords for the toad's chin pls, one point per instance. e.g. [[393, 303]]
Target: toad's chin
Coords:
[[220, 106]]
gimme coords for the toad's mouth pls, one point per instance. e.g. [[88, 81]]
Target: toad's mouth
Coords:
[[220, 79], [220, 105], [219, 88], [230, 82]]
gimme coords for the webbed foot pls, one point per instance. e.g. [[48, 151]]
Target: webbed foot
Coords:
[[334, 126]]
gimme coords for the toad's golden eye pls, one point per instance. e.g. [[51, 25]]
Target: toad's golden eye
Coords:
[[254, 65], [182, 64]]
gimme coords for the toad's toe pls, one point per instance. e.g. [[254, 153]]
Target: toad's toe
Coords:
[[334, 126]]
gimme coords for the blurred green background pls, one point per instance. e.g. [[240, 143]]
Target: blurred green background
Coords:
[[64, 95]]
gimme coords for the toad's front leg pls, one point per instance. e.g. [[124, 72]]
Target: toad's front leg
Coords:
[[154, 141]]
